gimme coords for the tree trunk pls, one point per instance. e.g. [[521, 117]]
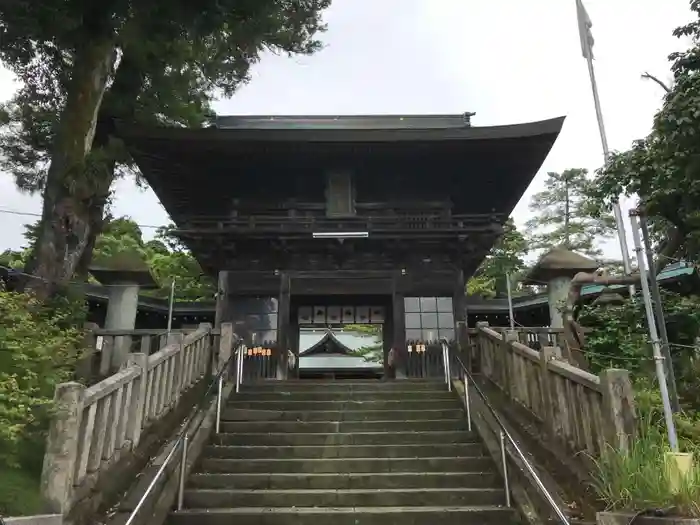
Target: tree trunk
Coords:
[[72, 183], [119, 103]]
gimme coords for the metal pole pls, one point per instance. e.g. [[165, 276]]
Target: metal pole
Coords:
[[617, 210], [218, 402], [238, 367], [655, 344], [444, 362], [505, 468], [183, 473], [510, 303], [659, 312], [170, 305], [466, 402], [449, 368]]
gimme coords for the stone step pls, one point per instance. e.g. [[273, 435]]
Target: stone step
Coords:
[[354, 395], [482, 515], [402, 497], [344, 451], [342, 465], [298, 427], [378, 387], [246, 414], [287, 403], [372, 480], [346, 438]]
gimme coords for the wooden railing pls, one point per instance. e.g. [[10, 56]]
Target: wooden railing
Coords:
[[424, 360], [94, 426], [579, 410], [260, 362]]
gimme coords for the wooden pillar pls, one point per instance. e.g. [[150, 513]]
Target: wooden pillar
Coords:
[[399, 322], [222, 298], [283, 326]]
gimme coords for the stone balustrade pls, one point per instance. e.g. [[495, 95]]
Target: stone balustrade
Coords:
[[578, 410], [94, 426]]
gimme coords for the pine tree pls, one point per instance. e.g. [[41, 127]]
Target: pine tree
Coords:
[[564, 215]]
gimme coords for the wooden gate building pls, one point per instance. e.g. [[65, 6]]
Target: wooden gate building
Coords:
[[324, 221]]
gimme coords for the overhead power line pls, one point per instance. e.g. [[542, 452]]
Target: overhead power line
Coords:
[[32, 214]]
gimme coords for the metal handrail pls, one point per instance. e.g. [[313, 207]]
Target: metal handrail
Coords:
[[504, 434], [183, 436]]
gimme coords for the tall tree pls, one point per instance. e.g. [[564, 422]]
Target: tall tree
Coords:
[[663, 169], [156, 61], [506, 257], [563, 215]]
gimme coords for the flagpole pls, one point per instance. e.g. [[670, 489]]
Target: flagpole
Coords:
[[617, 209]]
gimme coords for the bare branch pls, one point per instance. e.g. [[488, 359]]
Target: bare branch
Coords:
[[649, 76]]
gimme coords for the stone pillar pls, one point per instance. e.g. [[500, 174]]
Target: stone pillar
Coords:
[[557, 292], [61, 453], [121, 315]]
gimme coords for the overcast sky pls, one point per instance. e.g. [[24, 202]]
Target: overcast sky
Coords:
[[509, 61]]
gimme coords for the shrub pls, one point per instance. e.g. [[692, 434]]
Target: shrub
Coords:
[[638, 479], [39, 345]]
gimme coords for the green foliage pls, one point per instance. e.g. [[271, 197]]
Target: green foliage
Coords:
[[373, 353], [155, 62], [639, 478], [506, 257], [663, 169], [39, 346], [164, 255], [619, 338], [563, 215], [19, 493], [174, 61], [166, 258]]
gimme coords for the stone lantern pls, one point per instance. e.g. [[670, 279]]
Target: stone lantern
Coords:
[[124, 275], [556, 268]]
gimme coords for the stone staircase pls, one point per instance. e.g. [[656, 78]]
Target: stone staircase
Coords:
[[344, 453]]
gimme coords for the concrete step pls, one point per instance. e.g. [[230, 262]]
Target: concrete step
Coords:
[[482, 515], [343, 465], [344, 451], [360, 414], [343, 386], [354, 395], [402, 497], [298, 427], [372, 480], [293, 404], [346, 438]]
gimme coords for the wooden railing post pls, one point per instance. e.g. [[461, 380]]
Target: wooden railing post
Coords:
[[620, 413], [62, 445], [138, 399]]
